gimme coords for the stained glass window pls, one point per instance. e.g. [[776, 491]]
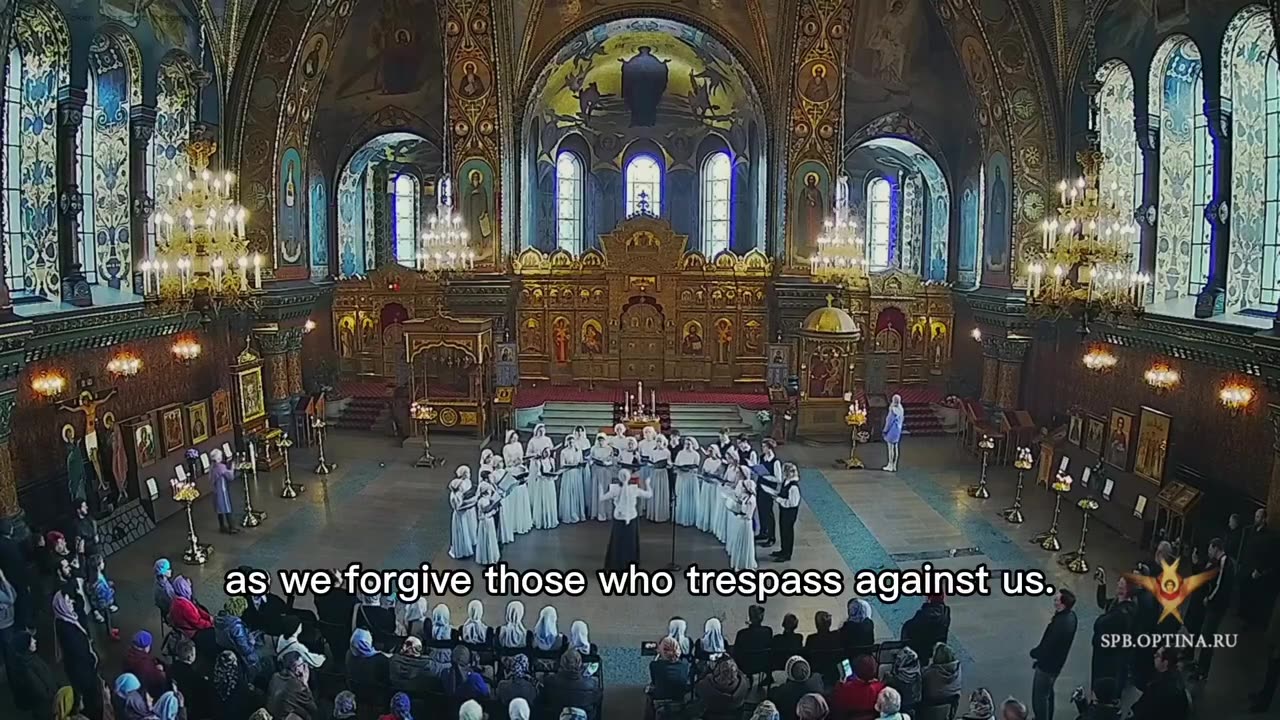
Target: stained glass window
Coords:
[[716, 171], [13, 221], [1121, 179], [569, 199], [879, 211], [644, 185], [404, 203]]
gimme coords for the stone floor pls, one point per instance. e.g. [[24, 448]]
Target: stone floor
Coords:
[[378, 509]]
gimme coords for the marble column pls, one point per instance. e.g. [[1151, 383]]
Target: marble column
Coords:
[[142, 125], [75, 289], [11, 516], [1212, 300], [1273, 489]]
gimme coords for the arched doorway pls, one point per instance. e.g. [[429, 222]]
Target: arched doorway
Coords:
[[642, 331]]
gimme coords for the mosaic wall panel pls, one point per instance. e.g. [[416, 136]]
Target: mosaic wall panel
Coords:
[[1121, 176], [351, 226], [318, 226], [111, 174], [912, 227], [175, 113]]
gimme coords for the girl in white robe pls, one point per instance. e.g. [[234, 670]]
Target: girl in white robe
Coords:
[[678, 630], [583, 443], [603, 459], [521, 511], [487, 508], [486, 459], [743, 556], [572, 501], [462, 543], [644, 450], [709, 490], [619, 438], [514, 634], [542, 491], [538, 442], [731, 478], [506, 520], [474, 631], [659, 509], [686, 468], [732, 501]]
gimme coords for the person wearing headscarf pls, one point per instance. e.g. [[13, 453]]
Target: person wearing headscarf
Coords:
[[624, 539], [409, 670], [710, 506], [889, 705], [856, 695], [941, 679], [30, 679], [139, 661], [410, 616], [546, 633], [461, 681], [983, 707], [222, 476], [929, 626], [644, 451], [232, 689], [488, 506], [570, 687], [513, 633], [812, 707], [669, 672], [858, 633], [66, 706], [291, 642], [169, 706], [129, 700], [517, 681], [542, 482], [893, 422], [601, 459], [800, 681], [726, 491], [78, 657], [288, 691], [442, 633], [344, 706], [474, 631], [711, 645], [185, 615], [573, 482], [904, 677], [766, 711], [365, 665], [260, 714], [743, 509], [506, 484], [163, 594], [686, 464], [401, 708], [659, 508], [579, 638], [462, 542], [724, 689], [518, 709], [232, 634], [518, 501], [470, 710], [678, 630]]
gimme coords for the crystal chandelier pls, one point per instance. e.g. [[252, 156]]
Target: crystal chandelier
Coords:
[[1084, 265], [201, 260], [443, 246], [841, 256]]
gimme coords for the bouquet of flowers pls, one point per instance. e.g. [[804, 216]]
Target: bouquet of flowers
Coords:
[[1087, 504], [184, 491], [1023, 461], [1062, 484]]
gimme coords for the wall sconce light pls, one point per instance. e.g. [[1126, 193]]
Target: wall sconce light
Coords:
[[976, 334], [309, 325], [186, 350], [1161, 377], [125, 365], [49, 384], [1099, 359], [1236, 397]]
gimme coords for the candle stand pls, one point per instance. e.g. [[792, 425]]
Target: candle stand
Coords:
[[980, 491], [1048, 540], [1075, 561], [1013, 513], [322, 468], [289, 491], [252, 518]]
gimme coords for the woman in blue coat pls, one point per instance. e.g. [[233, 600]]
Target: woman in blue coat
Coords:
[[893, 431], [222, 475]]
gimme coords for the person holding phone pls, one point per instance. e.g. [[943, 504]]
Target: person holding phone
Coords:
[[858, 689]]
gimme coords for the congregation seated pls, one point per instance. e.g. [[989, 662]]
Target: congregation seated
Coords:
[[941, 679], [234, 695], [441, 633], [711, 645], [518, 709], [288, 691], [376, 614], [856, 695], [570, 687], [812, 707], [149, 670], [889, 705], [678, 630], [345, 706], [723, 691], [787, 643], [185, 615], [474, 633], [547, 643], [904, 677], [800, 681], [670, 674], [409, 671], [517, 681], [400, 708], [266, 614], [231, 633], [461, 681], [163, 593], [858, 633], [981, 707], [751, 646], [367, 669], [192, 675], [289, 641], [513, 635], [580, 639], [930, 625], [411, 617], [334, 611], [823, 649]]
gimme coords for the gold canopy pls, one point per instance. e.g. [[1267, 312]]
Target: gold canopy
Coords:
[[830, 320]]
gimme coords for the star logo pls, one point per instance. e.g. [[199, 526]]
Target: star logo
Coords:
[[1170, 588]]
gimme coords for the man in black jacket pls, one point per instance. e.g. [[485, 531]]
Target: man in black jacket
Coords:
[[1051, 654], [1216, 604], [751, 646], [1110, 659], [1165, 697]]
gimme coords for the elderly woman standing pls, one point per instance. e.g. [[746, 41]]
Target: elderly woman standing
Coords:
[[78, 656], [222, 476], [893, 422]]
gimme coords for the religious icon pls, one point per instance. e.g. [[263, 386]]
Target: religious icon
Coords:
[[592, 338], [88, 404], [172, 435], [560, 335], [476, 211], [817, 88], [1075, 431], [144, 443], [221, 411], [368, 334], [997, 235], [691, 341], [315, 55], [531, 336], [1118, 439], [751, 337], [472, 84], [1153, 445], [346, 336], [252, 404], [290, 183], [724, 340], [644, 81], [1094, 431], [826, 376], [810, 213], [198, 420]]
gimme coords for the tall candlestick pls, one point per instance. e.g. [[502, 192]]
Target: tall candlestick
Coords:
[[626, 411], [653, 402], [257, 272]]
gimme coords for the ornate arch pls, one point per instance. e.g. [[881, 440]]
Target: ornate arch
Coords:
[[113, 37], [896, 124]]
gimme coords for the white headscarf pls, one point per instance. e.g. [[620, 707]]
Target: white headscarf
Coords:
[[578, 638], [471, 710], [546, 632], [441, 628], [409, 613], [474, 630], [512, 436], [518, 709], [539, 443], [688, 454], [678, 630], [486, 458], [601, 452], [712, 636], [619, 429], [513, 634], [895, 406], [580, 438]]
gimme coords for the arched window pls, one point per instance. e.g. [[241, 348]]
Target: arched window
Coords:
[[1186, 170], [13, 220], [175, 114], [84, 168], [716, 171], [404, 214], [1251, 80], [644, 186], [1121, 180], [569, 215], [879, 219]]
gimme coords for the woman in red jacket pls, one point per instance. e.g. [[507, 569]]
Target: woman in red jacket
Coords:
[[856, 695]]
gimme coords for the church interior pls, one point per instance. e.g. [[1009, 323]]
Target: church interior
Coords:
[[996, 282]]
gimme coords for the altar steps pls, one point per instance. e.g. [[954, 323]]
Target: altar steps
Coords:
[[704, 421], [364, 413], [562, 417]]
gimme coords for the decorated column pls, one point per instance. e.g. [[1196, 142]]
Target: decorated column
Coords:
[[1148, 129], [142, 125], [1012, 351], [10, 511], [1213, 298], [274, 344], [990, 371], [74, 287]]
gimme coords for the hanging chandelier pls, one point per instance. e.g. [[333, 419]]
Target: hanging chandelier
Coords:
[[201, 260], [1084, 265], [444, 245], [841, 257]]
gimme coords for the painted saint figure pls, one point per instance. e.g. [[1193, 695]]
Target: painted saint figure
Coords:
[[810, 213]]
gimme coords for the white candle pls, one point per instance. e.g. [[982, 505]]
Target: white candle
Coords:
[[253, 456], [653, 402], [243, 262], [626, 411], [257, 272]]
